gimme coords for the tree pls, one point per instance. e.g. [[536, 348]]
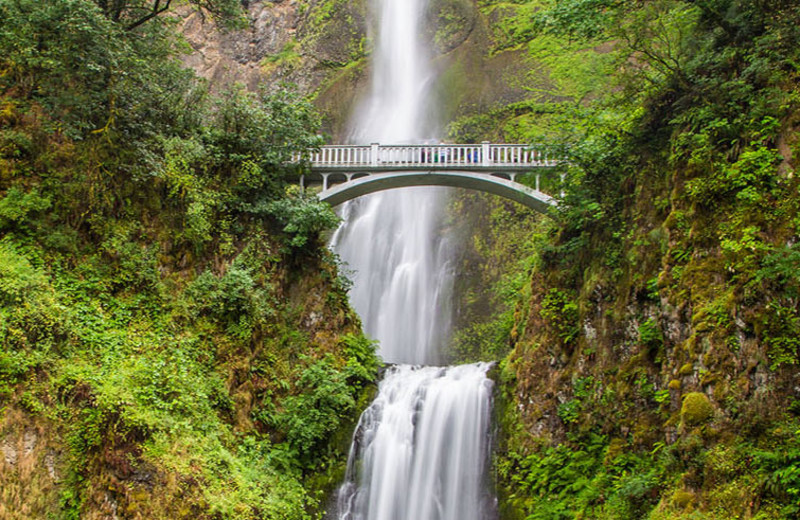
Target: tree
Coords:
[[135, 13], [98, 65]]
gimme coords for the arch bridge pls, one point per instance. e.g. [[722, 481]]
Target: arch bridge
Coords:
[[346, 172]]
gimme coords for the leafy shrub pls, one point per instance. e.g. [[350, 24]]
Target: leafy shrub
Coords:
[[362, 360], [568, 411], [17, 205], [322, 402], [782, 468], [233, 299], [650, 333], [303, 218], [781, 334], [561, 313], [14, 144], [18, 278]]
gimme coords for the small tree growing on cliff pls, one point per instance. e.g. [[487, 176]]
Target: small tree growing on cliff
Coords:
[[132, 14]]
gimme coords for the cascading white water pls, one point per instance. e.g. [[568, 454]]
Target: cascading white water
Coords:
[[420, 449], [402, 277]]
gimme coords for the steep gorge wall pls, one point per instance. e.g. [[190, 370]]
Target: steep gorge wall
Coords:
[[323, 46], [175, 339]]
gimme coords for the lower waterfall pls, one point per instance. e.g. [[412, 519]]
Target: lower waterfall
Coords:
[[420, 449]]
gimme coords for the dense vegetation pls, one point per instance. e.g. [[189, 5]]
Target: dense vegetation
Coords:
[[174, 342], [654, 353]]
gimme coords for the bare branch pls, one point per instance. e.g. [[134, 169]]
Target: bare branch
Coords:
[[157, 10]]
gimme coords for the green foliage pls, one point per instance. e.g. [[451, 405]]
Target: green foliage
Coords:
[[781, 334], [142, 303], [130, 367], [322, 402], [304, 218], [18, 278], [132, 14], [561, 312], [578, 480], [14, 144], [266, 128], [681, 198], [782, 469], [779, 270], [90, 76], [233, 299], [650, 334], [583, 18], [17, 205], [569, 411], [779, 325], [288, 57], [362, 361]]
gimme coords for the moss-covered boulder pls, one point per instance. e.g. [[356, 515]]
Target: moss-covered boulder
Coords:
[[696, 409]]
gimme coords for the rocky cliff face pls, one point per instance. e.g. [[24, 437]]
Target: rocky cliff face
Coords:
[[317, 45], [226, 57], [322, 46]]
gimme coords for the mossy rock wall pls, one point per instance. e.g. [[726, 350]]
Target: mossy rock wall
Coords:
[[323, 46]]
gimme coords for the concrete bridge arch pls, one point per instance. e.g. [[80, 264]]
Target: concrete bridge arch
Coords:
[[364, 185], [350, 171]]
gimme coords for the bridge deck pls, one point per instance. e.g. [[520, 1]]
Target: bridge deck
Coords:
[[375, 158], [348, 172]]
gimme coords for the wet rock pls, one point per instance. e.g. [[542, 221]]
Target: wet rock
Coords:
[[110, 507], [313, 319], [10, 452], [589, 331], [50, 464], [29, 441]]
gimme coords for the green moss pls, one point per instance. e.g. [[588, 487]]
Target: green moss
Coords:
[[454, 22], [682, 499], [288, 58], [615, 448], [696, 409], [686, 370]]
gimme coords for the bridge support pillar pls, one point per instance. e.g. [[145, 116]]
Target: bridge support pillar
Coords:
[[303, 183], [373, 154], [485, 154], [325, 181]]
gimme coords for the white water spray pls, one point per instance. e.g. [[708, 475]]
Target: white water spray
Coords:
[[420, 449], [391, 241]]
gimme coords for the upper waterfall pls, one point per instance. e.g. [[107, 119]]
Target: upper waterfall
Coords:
[[392, 243], [396, 110]]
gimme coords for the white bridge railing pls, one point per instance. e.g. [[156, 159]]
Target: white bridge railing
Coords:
[[376, 157]]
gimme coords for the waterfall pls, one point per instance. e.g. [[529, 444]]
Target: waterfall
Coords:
[[420, 449], [391, 242]]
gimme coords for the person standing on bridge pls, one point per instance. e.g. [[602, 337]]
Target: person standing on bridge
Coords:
[[442, 152]]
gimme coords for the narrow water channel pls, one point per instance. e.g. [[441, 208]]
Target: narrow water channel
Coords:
[[420, 451]]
